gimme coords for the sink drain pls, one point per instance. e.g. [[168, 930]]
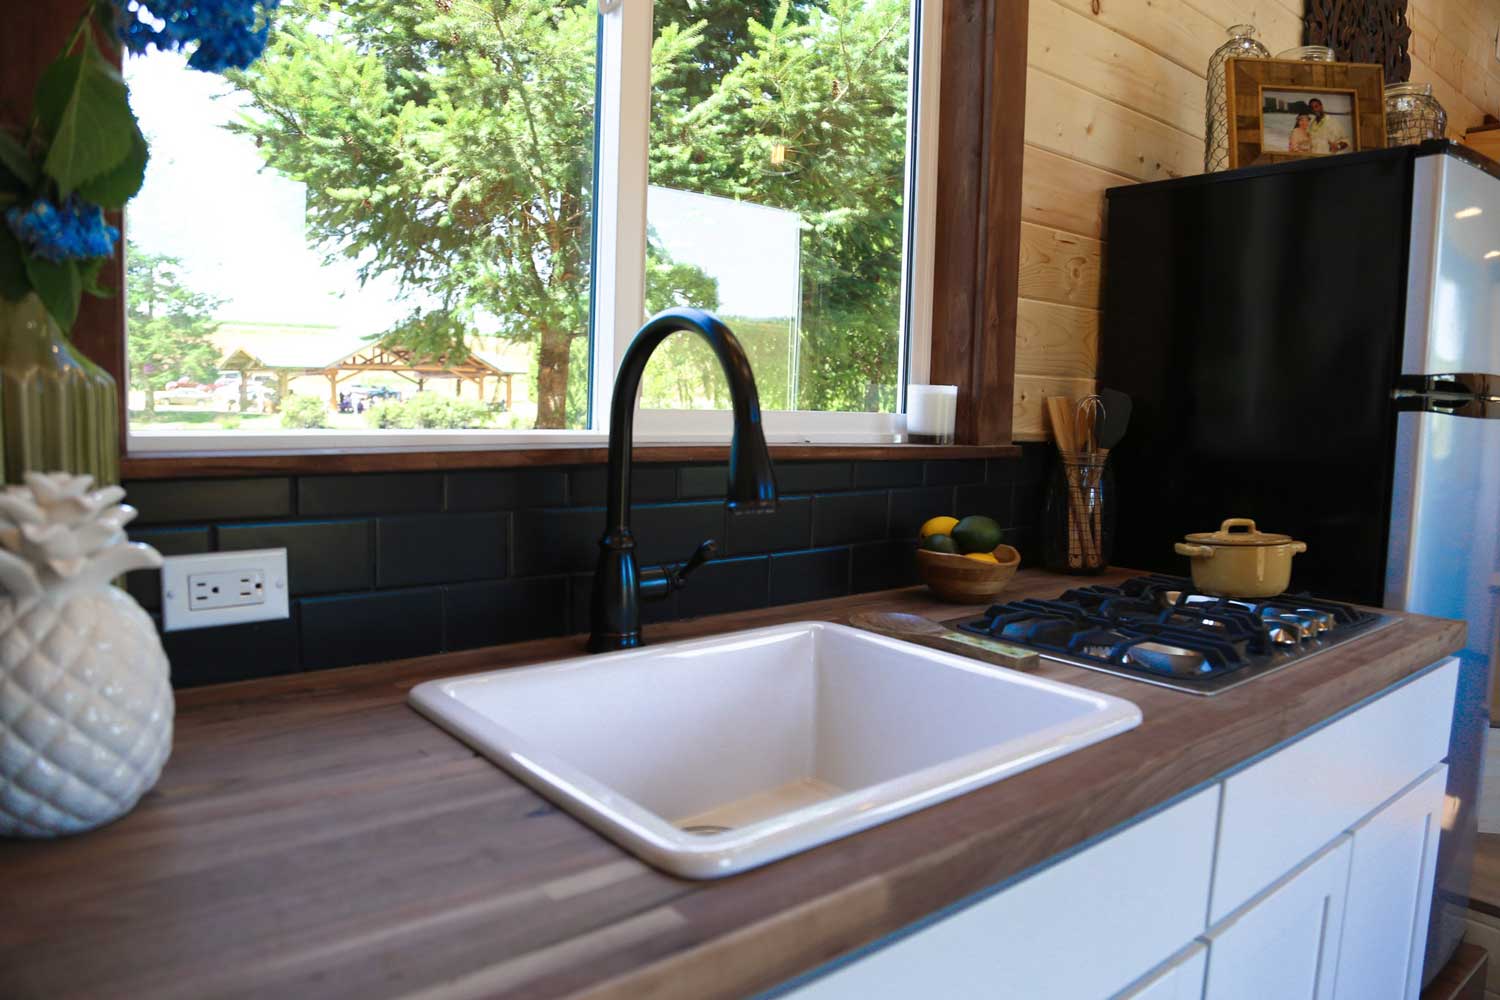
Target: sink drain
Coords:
[[706, 829]]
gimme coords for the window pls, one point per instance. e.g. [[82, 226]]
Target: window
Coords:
[[451, 216]]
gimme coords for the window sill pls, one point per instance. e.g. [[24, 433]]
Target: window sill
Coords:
[[211, 464]]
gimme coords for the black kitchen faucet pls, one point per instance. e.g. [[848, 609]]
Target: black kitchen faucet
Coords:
[[615, 619]]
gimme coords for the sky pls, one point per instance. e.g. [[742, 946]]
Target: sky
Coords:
[[239, 229]]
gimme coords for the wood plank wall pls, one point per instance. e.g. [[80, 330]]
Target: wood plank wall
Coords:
[[1114, 95]]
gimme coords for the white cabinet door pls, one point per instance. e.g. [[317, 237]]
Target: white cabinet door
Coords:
[[1179, 979], [1083, 929], [1390, 894], [1284, 943]]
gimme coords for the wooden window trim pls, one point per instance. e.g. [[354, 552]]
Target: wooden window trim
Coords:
[[982, 111]]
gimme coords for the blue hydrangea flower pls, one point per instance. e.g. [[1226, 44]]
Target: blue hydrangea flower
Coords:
[[229, 34], [75, 231]]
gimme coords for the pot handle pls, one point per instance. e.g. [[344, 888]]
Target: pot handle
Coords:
[[1238, 522], [1194, 551], [1298, 547]]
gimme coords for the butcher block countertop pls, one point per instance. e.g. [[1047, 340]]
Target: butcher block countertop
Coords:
[[313, 836]]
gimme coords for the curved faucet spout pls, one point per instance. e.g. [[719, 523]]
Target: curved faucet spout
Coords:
[[615, 616]]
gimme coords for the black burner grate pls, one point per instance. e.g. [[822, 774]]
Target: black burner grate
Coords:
[[1158, 626]]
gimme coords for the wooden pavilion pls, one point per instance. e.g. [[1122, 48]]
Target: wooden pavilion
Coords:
[[342, 362]]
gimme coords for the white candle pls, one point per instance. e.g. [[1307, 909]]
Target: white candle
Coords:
[[930, 413]]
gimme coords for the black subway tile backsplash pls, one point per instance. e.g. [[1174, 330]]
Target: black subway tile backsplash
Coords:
[[322, 557], [440, 548], [233, 652], [471, 558], [556, 540], [809, 576], [869, 475], [814, 477], [789, 527], [840, 518], [647, 483], [724, 585], [954, 471], [368, 628], [145, 584], [178, 500], [378, 493], [910, 509], [883, 565], [504, 489], [694, 481], [497, 611], [670, 532], [991, 501]]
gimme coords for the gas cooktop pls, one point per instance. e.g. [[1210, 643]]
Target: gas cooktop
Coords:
[[1157, 629]]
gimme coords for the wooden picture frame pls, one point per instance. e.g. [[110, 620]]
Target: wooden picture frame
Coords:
[[1361, 85]]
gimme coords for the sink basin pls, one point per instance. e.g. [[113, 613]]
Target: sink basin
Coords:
[[711, 756]]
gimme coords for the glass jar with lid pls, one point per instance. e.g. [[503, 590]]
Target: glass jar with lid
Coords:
[[1412, 114], [1242, 44], [1309, 53]]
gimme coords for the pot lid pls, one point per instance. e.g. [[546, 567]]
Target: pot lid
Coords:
[[1246, 535]]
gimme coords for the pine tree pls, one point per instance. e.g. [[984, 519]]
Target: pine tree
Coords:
[[169, 325]]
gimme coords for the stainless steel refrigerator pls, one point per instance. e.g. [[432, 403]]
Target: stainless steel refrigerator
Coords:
[[1316, 345]]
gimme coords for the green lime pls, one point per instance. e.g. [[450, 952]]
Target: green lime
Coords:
[[939, 543], [976, 534]]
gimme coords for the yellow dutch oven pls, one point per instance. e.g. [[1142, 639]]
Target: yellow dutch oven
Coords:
[[1240, 563]]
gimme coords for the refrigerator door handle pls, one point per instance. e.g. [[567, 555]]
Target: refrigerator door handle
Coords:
[[1465, 394]]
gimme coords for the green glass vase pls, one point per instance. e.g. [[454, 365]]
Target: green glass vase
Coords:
[[59, 412]]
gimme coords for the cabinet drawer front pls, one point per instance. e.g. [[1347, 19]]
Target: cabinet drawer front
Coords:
[[1281, 810], [1086, 927]]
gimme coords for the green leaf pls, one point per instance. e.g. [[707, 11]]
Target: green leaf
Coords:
[[13, 281], [59, 288], [88, 276], [81, 102], [15, 162], [116, 186]]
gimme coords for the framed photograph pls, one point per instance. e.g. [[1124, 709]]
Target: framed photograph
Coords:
[[1282, 110]]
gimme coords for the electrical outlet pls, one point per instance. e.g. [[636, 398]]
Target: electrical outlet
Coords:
[[232, 589], [223, 588]]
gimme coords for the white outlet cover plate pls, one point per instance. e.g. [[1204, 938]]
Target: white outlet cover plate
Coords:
[[175, 570]]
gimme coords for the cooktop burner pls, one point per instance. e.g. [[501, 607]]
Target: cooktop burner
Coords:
[[1159, 630]]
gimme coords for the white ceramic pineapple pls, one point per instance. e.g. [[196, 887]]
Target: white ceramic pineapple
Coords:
[[85, 692]]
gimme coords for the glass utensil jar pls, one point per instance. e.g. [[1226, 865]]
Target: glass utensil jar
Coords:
[[1078, 523], [1241, 45], [1412, 114]]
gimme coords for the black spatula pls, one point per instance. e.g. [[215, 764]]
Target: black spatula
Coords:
[[1116, 417]]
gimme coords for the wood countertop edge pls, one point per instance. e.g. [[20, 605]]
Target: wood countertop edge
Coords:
[[667, 937]]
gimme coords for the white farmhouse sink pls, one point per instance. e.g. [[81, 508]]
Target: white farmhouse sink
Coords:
[[711, 756]]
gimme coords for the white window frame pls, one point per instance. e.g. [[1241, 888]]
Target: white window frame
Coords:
[[621, 168]]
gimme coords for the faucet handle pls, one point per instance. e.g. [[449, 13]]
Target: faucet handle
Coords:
[[702, 554], [660, 581]]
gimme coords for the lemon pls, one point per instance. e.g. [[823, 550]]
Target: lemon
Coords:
[[937, 526], [988, 557]]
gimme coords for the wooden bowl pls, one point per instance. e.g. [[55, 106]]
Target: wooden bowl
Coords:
[[961, 580]]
